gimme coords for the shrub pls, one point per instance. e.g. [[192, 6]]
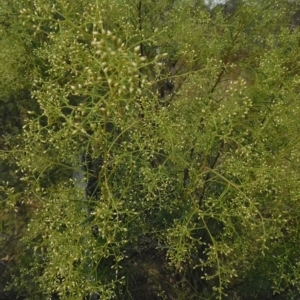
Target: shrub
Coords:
[[188, 193]]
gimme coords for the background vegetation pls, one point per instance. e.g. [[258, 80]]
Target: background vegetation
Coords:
[[149, 149]]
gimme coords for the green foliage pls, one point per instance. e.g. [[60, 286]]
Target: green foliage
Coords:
[[197, 191]]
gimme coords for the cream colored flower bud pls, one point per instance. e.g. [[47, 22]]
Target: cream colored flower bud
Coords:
[[137, 49]]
